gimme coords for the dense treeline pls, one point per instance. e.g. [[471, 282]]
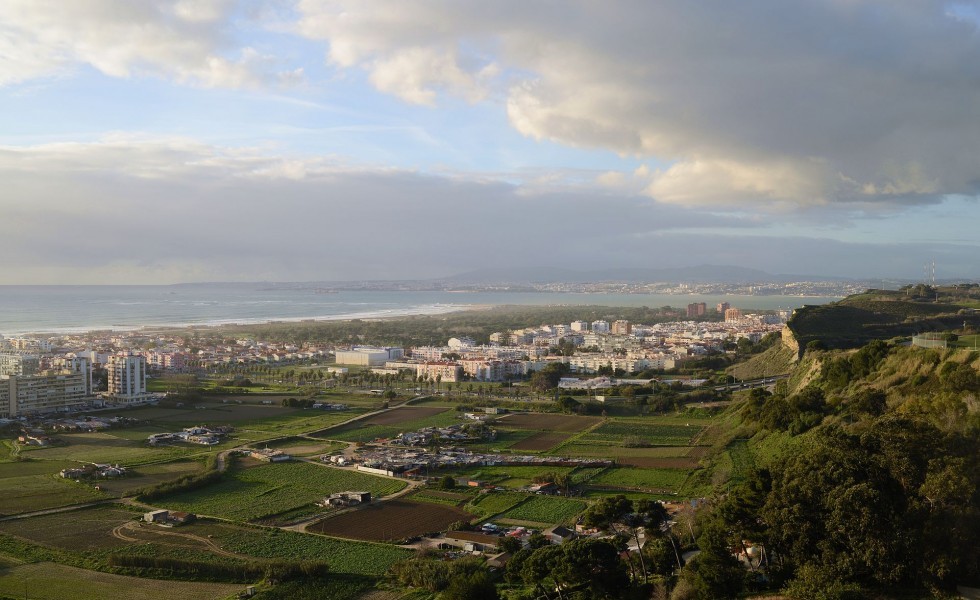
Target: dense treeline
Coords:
[[184, 483], [435, 330], [244, 572], [463, 579], [881, 494]]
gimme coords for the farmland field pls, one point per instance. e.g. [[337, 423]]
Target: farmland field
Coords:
[[79, 530], [545, 509], [547, 422], [395, 520], [512, 476], [397, 416], [487, 505], [652, 480], [103, 447], [540, 441], [37, 492], [268, 489], [653, 433], [49, 581], [366, 430], [148, 475], [439, 497]]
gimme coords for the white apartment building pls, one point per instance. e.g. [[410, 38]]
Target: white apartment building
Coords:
[[17, 363], [447, 372], [368, 356], [34, 394], [580, 326], [600, 326], [127, 377]]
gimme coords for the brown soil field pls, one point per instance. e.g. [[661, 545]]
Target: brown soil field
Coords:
[[541, 441], [403, 414], [395, 520], [658, 463], [548, 422], [699, 452]]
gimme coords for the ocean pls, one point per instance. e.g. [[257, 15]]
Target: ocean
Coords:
[[68, 309]]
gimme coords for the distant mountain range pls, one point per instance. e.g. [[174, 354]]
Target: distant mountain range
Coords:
[[698, 274]]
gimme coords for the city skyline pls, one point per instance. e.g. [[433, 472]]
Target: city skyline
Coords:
[[225, 140]]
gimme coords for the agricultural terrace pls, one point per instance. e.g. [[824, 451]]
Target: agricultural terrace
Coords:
[[50, 581], [439, 497], [544, 509], [391, 521], [252, 492], [547, 422]]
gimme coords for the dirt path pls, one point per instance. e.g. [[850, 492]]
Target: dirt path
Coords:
[[119, 532]]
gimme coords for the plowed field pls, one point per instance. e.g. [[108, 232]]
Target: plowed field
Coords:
[[389, 521], [541, 441], [548, 422]]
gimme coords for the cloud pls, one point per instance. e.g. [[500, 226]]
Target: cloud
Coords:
[[140, 209], [769, 105], [136, 209], [188, 42]]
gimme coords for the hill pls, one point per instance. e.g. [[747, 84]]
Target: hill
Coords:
[[882, 314]]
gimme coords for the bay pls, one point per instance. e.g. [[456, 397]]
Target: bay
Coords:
[[66, 309]]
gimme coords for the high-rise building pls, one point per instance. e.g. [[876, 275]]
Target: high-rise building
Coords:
[[722, 307], [600, 326], [81, 366], [622, 327], [732, 315], [18, 363], [35, 394], [696, 309], [127, 377], [580, 326]]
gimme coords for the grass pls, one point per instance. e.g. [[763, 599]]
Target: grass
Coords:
[[655, 433], [50, 581], [38, 492], [269, 489], [545, 509]]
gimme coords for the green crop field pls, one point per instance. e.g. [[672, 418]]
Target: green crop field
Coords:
[[487, 505], [545, 509], [49, 581], [511, 476], [612, 450], [38, 492], [656, 480], [660, 434], [247, 494], [343, 556]]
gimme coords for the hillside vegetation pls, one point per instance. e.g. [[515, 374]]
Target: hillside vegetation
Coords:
[[879, 314], [858, 477]]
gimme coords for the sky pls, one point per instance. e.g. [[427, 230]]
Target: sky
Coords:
[[312, 140]]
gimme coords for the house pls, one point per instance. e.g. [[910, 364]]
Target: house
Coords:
[[499, 561], [471, 541], [547, 488], [561, 534], [156, 516], [346, 499], [182, 518]]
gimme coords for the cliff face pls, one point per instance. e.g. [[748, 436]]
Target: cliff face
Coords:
[[790, 341]]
